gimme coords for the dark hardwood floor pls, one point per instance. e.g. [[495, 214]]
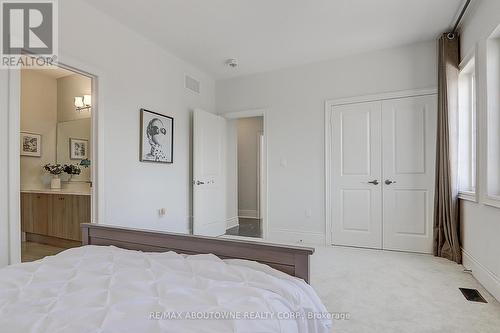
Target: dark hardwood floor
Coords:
[[247, 228]]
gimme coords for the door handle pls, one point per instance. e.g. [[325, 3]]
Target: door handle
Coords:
[[389, 182], [374, 182], [199, 183]]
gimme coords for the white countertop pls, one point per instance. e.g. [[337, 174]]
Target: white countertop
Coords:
[[53, 191]]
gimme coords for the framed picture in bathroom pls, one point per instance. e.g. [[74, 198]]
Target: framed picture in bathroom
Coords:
[[78, 149], [31, 144], [157, 137]]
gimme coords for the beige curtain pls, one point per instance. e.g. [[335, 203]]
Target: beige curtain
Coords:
[[446, 222]]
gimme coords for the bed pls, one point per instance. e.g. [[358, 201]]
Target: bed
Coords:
[[128, 280]]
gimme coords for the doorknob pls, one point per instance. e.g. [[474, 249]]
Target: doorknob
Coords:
[[374, 182], [199, 183], [389, 182]]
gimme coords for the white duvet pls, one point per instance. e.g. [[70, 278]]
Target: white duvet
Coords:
[[107, 289]]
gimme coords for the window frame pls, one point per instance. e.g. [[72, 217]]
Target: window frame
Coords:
[[492, 121], [468, 78]]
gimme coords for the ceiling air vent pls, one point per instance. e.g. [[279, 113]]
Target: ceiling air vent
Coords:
[[192, 84]]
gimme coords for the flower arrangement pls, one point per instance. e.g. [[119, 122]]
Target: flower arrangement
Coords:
[[57, 169], [72, 169], [54, 169]]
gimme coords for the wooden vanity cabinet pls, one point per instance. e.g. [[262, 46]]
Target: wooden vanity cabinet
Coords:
[[67, 213], [54, 215], [35, 213]]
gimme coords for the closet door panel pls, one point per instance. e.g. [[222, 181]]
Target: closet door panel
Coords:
[[408, 155], [356, 175]]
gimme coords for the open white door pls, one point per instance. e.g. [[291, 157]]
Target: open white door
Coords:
[[209, 201]]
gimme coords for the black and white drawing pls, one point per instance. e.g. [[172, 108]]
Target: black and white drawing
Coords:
[[78, 149], [157, 137], [31, 144]]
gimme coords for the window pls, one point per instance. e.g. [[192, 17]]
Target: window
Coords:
[[467, 131], [493, 121]]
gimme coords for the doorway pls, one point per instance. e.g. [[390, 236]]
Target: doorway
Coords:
[[381, 162], [245, 137], [57, 143], [246, 174], [216, 205]]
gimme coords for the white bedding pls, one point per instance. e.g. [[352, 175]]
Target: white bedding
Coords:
[[108, 289]]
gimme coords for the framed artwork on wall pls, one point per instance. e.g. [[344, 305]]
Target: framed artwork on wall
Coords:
[[78, 149], [31, 144], [157, 137]]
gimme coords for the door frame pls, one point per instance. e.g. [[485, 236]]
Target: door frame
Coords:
[[14, 184], [263, 194], [329, 104], [260, 159], [12, 214]]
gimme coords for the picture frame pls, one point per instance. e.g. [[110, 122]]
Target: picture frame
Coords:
[[157, 137], [78, 149], [31, 144]]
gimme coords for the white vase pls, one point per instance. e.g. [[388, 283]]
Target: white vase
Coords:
[[55, 183]]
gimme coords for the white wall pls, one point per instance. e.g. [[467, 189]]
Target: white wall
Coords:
[[38, 115], [481, 223], [133, 73], [248, 133], [295, 100]]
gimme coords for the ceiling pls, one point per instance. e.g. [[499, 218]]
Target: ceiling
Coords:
[[271, 34], [53, 72]]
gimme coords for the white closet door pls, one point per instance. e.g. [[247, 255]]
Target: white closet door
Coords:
[[356, 151], [408, 141]]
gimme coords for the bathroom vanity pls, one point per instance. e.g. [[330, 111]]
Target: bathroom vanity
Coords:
[[54, 217]]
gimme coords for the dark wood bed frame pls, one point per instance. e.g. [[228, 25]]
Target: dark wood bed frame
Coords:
[[293, 260]]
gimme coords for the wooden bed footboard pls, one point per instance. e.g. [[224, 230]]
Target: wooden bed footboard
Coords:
[[293, 260]]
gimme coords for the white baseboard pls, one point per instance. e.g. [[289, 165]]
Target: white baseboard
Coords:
[[296, 237], [248, 213], [487, 278], [232, 222]]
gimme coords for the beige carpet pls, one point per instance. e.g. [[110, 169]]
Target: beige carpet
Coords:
[[399, 292]]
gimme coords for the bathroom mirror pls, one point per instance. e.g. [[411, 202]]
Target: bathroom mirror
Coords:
[[73, 137], [74, 144]]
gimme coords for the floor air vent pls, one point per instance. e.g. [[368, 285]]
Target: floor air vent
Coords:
[[472, 295]]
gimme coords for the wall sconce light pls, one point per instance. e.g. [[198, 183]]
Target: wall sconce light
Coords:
[[83, 102]]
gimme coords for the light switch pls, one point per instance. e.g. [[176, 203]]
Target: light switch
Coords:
[[283, 162]]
